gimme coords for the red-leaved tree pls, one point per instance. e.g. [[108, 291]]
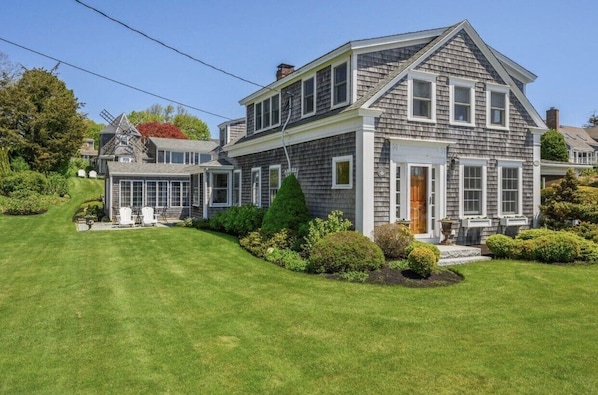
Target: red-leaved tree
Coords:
[[157, 129]]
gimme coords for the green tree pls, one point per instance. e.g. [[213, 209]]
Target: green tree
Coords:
[[39, 118], [192, 127], [288, 210], [553, 146], [92, 130], [9, 72]]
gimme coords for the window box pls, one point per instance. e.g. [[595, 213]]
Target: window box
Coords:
[[513, 221], [476, 222]]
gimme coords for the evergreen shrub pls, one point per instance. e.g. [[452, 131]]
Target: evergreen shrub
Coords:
[[345, 251], [422, 261], [288, 210], [393, 239], [500, 245], [416, 243], [318, 228]]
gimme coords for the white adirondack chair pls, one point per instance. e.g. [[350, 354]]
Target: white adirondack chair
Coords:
[[148, 217], [81, 173], [125, 217]]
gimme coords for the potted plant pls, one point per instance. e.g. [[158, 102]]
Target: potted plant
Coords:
[[446, 230]]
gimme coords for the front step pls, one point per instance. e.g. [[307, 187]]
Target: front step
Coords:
[[456, 255]]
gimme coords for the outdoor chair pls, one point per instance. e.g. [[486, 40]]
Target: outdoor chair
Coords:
[[125, 217], [148, 217]]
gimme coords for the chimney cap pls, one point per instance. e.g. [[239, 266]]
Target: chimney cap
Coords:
[[285, 66]]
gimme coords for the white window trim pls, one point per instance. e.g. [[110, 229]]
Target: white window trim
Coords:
[[235, 172], [258, 201], [279, 180], [271, 125], [335, 160], [228, 189], [195, 190], [348, 83], [473, 162], [421, 76], [462, 83], [303, 113], [502, 163], [500, 89]]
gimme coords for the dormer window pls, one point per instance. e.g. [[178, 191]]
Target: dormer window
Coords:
[[308, 95], [267, 113], [340, 84]]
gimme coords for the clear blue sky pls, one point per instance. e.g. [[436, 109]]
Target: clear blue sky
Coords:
[[556, 40]]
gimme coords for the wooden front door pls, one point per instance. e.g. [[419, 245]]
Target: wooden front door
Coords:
[[419, 199]]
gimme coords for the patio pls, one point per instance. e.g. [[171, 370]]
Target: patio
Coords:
[[99, 226]]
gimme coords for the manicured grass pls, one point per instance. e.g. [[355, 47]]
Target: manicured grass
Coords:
[[179, 310]]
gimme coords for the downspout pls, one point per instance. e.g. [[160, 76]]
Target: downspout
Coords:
[[284, 146]]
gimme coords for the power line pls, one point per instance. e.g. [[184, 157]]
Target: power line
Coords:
[[113, 80], [169, 46]]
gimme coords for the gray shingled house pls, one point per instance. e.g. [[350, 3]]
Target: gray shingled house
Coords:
[[416, 126]]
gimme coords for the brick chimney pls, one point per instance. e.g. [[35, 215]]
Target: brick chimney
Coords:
[[284, 70], [552, 118]]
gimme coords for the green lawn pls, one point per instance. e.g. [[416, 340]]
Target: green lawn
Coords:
[[177, 310]]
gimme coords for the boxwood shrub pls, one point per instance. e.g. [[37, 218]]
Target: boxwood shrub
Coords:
[[393, 239], [345, 251], [416, 243], [422, 261]]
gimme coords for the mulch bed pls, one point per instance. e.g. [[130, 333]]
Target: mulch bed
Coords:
[[407, 278]]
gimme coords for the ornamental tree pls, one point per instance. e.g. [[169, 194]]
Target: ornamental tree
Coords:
[[156, 129]]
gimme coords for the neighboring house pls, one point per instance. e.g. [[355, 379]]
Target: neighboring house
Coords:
[[583, 149], [120, 142], [179, 151], [165, 187], [88, 152], [421, 126], [153, 172]]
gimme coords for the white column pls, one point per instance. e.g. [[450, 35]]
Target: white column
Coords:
[[364, 184], [536, 175]]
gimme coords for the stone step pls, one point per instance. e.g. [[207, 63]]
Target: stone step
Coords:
[[462, 260], [457, 251]]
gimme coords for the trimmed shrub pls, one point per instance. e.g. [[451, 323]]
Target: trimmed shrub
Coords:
[[422, 261], [288, 210], [587, 230], [23, 181], [523, 249], [416, 243], [393, 239], [28, 203], [531, 234], [556, 248], [318, 228], [500, 245], [57, 185], [258, 243], [286, 258], [238, 220], [345, 251]]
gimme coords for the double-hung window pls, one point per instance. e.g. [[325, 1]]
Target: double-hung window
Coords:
[[473, 187], [421, 89], [274, 181], [267, 113], [237, 188], [342, 172], [497, 106], [462, 102], [219, 184], [340, 84], [256, 185], [308, 96], [510, 186]]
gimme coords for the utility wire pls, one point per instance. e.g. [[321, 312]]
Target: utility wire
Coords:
[[113, 80], [169, 46]]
